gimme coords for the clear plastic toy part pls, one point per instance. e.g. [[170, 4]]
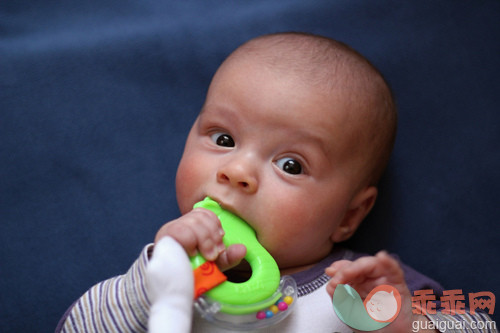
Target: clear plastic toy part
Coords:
[[269, 314], [263, 300]]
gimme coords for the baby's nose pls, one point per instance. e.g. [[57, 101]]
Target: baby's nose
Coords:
[[240, 175]]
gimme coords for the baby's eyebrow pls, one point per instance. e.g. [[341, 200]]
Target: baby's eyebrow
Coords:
[[222, 111], [215, 117], [314, 139]]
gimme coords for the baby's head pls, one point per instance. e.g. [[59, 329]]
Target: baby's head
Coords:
[[293, 136]]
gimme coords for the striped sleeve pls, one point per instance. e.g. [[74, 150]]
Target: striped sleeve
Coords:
[[119, 304], [467, 322]]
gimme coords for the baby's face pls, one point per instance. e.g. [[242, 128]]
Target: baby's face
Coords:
[[275, 152]]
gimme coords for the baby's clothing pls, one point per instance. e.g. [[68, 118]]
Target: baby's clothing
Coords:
[[121, 304]]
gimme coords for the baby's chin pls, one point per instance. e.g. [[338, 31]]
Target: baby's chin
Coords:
[[295, 269], [290, 264]]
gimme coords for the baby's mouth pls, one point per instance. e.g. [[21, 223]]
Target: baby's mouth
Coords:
[[226, 206], [231, 208]]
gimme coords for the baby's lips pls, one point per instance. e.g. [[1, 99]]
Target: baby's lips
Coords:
[[228, 207]]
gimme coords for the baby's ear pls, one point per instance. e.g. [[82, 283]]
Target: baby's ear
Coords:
[[359, 207]]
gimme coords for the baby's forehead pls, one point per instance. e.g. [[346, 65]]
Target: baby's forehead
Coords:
[[329, 97], [318, 62], [325, 66]]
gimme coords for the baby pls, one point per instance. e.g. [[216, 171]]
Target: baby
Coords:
[[293, 137]]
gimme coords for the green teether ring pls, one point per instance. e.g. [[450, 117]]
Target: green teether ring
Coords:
[[260, 290]]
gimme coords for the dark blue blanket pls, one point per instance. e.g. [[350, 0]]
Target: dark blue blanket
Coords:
[[96, 98]]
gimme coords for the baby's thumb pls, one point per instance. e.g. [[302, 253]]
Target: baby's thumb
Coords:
[[231, 257]]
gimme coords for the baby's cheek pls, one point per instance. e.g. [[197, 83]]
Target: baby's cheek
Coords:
[[290, 229], [185, 197], [189, 181], [282, 248]]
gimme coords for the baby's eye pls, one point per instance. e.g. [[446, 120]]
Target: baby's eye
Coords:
[[289, 165], [222, 139]]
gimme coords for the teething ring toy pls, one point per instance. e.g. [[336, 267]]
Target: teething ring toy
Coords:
[[262, 300]]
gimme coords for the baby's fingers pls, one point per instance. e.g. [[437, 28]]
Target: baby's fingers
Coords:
[[332, 271], [208, 232], [336, 266], [231, 257], [198, 230], [367, 268], [365, 273]]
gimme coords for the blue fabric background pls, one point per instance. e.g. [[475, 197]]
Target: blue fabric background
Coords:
[[97, 97]]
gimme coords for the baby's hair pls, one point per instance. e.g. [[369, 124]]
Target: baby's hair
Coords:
[[329, 64]]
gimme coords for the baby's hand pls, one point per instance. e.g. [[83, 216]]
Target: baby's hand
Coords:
[[200, 230], [366, 273]]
